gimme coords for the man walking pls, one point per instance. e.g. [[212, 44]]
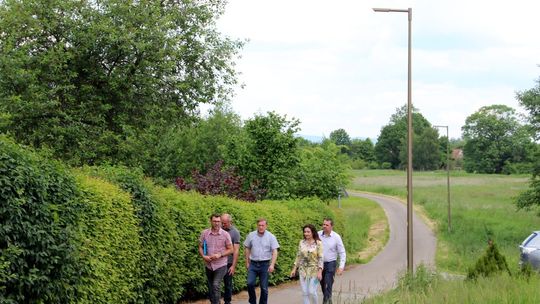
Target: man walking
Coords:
[[226, 222], [261, 255], [214, 247], [332, 249]]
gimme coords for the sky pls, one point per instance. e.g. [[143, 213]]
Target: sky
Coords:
[[337, 64]]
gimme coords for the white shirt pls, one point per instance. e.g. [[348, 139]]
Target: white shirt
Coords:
[[333, 247]]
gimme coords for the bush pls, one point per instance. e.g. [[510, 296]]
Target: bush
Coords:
[[386, 166], [108, 244], [492, 262], [161, 270], [358, 164], [38, 215], [73, 236], [320, 173], [221, 181], [285, 220]]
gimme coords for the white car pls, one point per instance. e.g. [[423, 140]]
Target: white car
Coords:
[[530, 251]]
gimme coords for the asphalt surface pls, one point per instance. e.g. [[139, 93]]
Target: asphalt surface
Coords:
[[382, 271]]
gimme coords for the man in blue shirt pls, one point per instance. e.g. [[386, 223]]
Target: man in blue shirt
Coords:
[[332, 249], [260, 248]]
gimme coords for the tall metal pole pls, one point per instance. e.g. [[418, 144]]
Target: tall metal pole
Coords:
[[447, 175], [409, 160], [410, 265]]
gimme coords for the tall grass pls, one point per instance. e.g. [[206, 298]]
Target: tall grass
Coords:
[[426, 287], [481, 207], [359, 215]]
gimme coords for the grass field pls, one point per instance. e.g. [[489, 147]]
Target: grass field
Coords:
[[482, 207], [429, 289]]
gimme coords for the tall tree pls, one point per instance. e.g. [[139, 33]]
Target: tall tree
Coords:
[[363, 149], [394, 135], [340, 137], [494, 138], [90, 79], [196, 146], [426, 152], [267, 153], [530, 100]]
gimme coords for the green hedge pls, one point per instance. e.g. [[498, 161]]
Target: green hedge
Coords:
[[191, 212], [38, 215], [108, 244], [108, 235], [161, 269]]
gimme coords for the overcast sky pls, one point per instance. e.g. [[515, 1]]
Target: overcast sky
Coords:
[[337, 64]]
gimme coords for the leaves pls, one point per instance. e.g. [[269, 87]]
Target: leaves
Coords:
[[90, 79], [494, 138]]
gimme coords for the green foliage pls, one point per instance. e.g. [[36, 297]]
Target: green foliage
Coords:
[[426, 152], [267, 153], [321, 173], [340, 137], [421, 279], [358, 164], [497, 289], [492, 262], [494, 137], [478, 202], [108, 244], [180, 150], [362, 149], [160, 265], [38, 216], [530, 198], [530, 99], [96, 81], [285, 220], [392, 142]]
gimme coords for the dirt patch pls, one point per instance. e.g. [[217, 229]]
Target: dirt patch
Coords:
[[376, 240]]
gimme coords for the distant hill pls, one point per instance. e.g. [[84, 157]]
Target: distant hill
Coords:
[[319, 139], [311, 138]]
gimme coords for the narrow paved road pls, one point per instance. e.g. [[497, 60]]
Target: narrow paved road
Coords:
[[382, 271]]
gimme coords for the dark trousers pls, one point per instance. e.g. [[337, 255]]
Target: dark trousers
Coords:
[[329, 271], [228, 283], [214, 278], [258, 269]]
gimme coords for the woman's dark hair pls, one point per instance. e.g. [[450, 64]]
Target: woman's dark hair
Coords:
[[313, 231]]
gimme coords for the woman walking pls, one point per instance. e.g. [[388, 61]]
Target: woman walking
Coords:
[[309, 263]]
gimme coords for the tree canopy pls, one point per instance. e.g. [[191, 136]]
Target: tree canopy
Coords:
[[494, 139], [340, 137], [91, 80], [530, 100], [392, 142]]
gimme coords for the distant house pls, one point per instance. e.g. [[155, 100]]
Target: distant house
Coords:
[[457, 154], [457, 159]]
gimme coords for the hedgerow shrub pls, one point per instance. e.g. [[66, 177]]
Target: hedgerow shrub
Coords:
[[191, 212], [107, 235], [108, 244], [161, 269], [38, 214]]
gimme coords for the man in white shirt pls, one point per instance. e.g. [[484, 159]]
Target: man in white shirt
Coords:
[[332, 249]]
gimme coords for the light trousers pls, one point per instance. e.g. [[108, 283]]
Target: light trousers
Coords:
[[309, 290]]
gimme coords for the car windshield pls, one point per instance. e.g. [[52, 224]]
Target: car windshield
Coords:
[[532, 241]]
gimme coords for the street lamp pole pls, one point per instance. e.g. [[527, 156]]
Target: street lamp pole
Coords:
[[409, 141], [447, 174]]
